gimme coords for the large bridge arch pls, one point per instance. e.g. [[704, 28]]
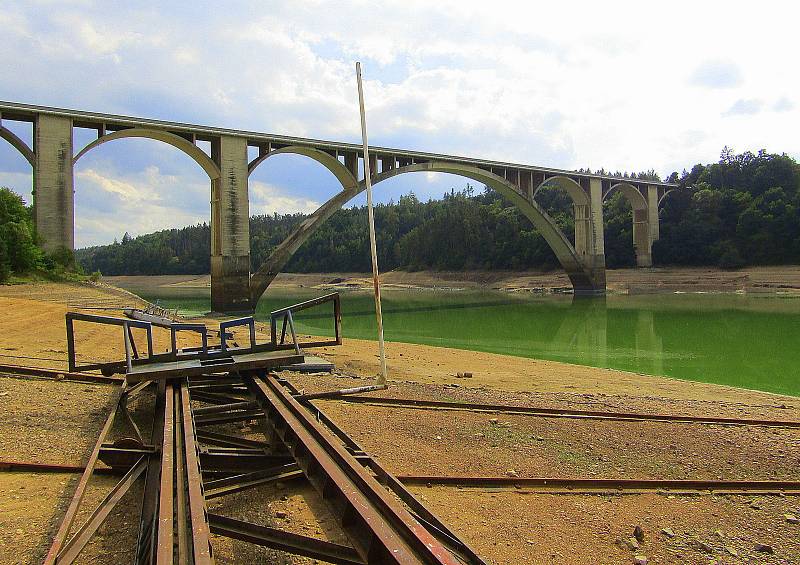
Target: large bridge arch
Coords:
[[192, 150], [586, 277]]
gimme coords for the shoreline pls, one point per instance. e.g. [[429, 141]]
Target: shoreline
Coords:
[[655, 280]]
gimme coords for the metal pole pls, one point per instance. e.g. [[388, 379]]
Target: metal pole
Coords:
[[368, 181]]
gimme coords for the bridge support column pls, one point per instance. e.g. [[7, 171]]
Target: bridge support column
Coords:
[[230, 228], [53, 190], [597, 261], [652, 212], [642, 238]]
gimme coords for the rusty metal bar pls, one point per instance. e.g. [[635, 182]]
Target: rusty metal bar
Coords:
[[286, 314], [201, 548], [381, 529], [565, 413], [246, 321], [340, 392], [56, 374], [576, 485], [283, 540], [80, 489], [76, 544], [166, 527], [216, 488], [227, 440]]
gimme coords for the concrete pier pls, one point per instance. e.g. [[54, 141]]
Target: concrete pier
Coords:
[[53, 192], [230, 227]]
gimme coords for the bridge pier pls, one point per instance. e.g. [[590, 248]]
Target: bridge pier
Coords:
[[230, 227], [53, 189]]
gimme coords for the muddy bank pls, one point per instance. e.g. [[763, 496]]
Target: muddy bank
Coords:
[[622, 281]]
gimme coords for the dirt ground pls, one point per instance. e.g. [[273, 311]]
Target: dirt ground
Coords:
[[51, 421]]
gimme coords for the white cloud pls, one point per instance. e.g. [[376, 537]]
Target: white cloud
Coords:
[[268, 199], [564, 85]]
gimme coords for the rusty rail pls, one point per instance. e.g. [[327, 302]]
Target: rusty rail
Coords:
[[563, 412]]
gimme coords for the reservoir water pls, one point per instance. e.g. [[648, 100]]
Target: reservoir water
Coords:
[[750, 341]]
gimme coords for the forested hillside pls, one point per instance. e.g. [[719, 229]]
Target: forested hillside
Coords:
[[745, 209]]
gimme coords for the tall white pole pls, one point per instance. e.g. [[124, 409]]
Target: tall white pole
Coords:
[[368, 181]]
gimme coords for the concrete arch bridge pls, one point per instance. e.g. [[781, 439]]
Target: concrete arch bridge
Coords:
[[233, 287]]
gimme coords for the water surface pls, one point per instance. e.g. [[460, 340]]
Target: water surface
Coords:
[[747, 341]]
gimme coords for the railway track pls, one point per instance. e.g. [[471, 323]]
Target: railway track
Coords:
[[562, 412], [187, 461]]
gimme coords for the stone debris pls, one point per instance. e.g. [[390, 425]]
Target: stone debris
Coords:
[[640, 560], [493, 421], [638, 533], [668, 532], [792, 519], [512, 473], [731, 551], [632, 544], [281, 515], [764, 548]]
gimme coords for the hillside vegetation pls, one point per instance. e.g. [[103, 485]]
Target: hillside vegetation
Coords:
[[742, 210]]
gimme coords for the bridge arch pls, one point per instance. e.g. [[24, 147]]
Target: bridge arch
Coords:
[[192, 150], [640, 211], [575, 190], [584, 277], [18, 144], [342, 174]]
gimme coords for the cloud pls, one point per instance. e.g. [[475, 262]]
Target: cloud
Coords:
[[267, 199], [716, 74], [783, 105], [530, 83], [744, 107]]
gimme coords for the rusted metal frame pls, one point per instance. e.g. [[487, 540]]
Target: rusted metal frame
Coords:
[[126, 324], [227, 440], [30, 467], [148, 519], [123, 457], [229, 417], [166, 527], [243, 405], [216, 488], [214, 398], [284, 313], [80, 489], [420, 511], [201, 547], [134, 390], [566, 413], [15, 370], [606, 485], [381, 529], [283, 540], [248, 321], [339, 393], [75, 545], [199, 328], [181, 494], [132, 342]]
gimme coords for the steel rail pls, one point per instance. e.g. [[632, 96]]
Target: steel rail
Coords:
[[201, 545], [22, 371], [562, 412], [576, 485], [421, 512], [380, 528], [283, 540], [72, 510]]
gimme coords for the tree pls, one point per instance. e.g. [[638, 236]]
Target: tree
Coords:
[[18, 250]]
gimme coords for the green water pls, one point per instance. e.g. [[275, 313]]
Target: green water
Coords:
[[747, 341]]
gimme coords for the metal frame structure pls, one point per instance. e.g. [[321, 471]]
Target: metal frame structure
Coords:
[[287, 315]]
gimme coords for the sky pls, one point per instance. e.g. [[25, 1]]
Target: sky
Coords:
[[625, 86]]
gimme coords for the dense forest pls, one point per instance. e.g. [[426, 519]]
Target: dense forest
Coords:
[[742, 210]]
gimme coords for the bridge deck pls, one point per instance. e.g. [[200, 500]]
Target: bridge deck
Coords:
[[110, 122]]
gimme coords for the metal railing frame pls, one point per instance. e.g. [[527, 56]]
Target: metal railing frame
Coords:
[[286, 314]]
